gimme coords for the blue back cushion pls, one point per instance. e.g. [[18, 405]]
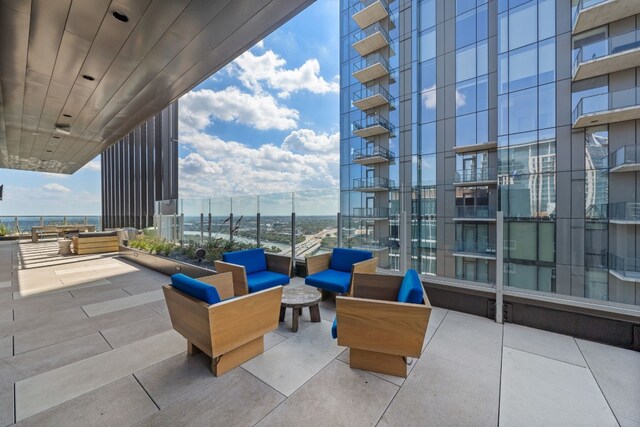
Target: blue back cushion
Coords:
[[342, 258], [411, 288], [195, 288], [253, 260]]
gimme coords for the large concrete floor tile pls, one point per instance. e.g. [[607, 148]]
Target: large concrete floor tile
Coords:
[[135, 331], [6, 346], [159, 307], [271, 339], [470, 340], [537, 391], [143, 287], [175, 377], [44, 391], [235, 399], [617, 372], [120, 403], [543, 343], [118, 304], [48, 358], [8, 376], [290, 364], [440, 392], [435, 320], [336, 396], [5, 284]]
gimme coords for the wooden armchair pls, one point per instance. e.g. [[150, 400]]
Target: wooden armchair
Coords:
[[380, 331], [230, 331], [254, 270], [334, 272]]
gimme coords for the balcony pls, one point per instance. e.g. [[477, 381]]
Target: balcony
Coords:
[[370, 68], [617, 53], [372, 97], [625, 159], [376, 214], [466, 249], [624, 213], [472, 177], [369, 185], [372, 155], [367, 12], [594, 13], [370, 39], [475, 213], [625, 269], [373, 125], [608, 107]]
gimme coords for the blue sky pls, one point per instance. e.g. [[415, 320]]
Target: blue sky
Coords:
[[266, 123]]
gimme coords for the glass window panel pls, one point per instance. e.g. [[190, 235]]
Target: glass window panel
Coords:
[[523, 276], [427, 14], [428, 138], [523, 68], [482, 127], [503, 73], [467, 58], [482, 99], [547, 25], [547, 98], [466, 29], [523, 110], [464, 5], [466, 97], [428, 44], [547, 240], [596, 284], [503, 114], [482, 25], [503, 33], [547, 61], [428, 169], [522, 240], [546, 279], [483, 58], [523, 25], [466, 130], [428, 75], [427, 106], [482, 270]]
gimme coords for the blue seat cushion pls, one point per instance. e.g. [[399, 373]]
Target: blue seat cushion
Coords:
[[253, 260], [411, 288], [265, 279], [334, 328], [330, 280], [195, 288], [342, 258]]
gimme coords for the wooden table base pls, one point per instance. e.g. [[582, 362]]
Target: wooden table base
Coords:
[[314, 312]]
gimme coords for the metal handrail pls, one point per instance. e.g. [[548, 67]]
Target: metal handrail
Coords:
[[376, 89], [369, 31], [369, 60], [363, 4], [373, 120], [373, 151]]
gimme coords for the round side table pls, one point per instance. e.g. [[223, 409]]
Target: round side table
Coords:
[[64, 247], [297, 298]]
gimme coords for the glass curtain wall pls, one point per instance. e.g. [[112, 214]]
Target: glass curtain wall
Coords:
[[526, 141]]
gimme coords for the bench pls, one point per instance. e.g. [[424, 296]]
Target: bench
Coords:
[[95, 243]]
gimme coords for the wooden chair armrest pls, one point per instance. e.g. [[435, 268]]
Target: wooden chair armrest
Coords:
[[382, 326], [367, 266], [317, 263], [241, 320], [376, 286], [240, 284], [223, 282], [279, 263], [189, 317]]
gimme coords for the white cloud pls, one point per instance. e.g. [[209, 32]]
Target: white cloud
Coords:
[[55, 187], [94, 165], [429, 97], [224, 168], [269, 68], [261, 111]]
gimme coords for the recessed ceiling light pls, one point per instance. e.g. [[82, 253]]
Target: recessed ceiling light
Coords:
[[63, 130], [67, 115], [36, 133], [49, 151], [120, 16], [56, 137], [88, 77]]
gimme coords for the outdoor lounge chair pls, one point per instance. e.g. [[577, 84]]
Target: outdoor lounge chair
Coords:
[[254, 270], [228, 329], [334, 272], [384, 322]]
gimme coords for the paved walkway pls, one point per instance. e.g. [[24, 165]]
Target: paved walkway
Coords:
[[86, 340]]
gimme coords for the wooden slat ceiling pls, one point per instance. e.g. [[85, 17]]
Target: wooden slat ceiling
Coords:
[[138, 67]]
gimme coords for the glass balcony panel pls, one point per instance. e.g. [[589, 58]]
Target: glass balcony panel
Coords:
[[472, 249], [480, 213], [316, 221], [607, 56], [627, 269], [608, 107], [625, 159], [624, 212], [476, 176], [372, 38], [372, 184], [366, 12], [372, 155], [371, 67], [371, 213], [371, 126], [590, 14], [372, 97]]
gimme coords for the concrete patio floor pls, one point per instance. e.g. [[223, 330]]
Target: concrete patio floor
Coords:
[[86, 340]]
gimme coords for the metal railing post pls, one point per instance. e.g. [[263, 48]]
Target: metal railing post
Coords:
[[258, 229], [293, 242], [231, 227], [209, 225], [201, 228], [339, 242], [499, 265]]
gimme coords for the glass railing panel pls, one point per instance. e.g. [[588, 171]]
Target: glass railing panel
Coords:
[[476, 175], [363, 4], [480, 212], [221, 221], [275, 222], [627, 267], [625, 211], [610, 46], [629, 154], [195, 213], [369, 31], [316, 221], [583, 4], [373, 182], [53, 220], [370, 60], [371, 121], [372, 151], [245, 218], [371, 212], [607, 102], [472, 247]]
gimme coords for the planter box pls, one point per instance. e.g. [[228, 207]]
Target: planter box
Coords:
[[163, 264]]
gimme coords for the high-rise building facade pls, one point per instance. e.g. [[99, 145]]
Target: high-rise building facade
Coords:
[[465, 120]]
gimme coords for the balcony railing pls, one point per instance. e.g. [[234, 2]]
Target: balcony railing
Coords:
[[474, 249], [369, 243], [625, 212], [366, 12], [372, 38], [21, 225], [624, 268], [372, 184], [373, 96], [590, 60], [372, 125], [590, 14], [371, 213], [583, 4], [371, 67], [476, 213], [625, 159], [607, 108], [372, 155], [484, 175]]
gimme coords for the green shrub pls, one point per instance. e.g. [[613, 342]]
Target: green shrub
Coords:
[[3, 230]]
